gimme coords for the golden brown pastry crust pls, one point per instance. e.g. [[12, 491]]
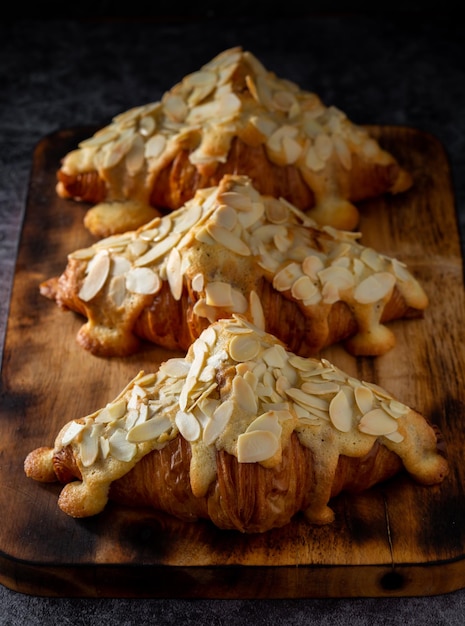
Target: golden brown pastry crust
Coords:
[[232, 250], [316, 432], [232, 117]]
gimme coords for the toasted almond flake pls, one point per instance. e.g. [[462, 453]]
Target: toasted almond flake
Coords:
[[225, 217], [117, 290], [228, 239], [147, 125], [119, 265], [400, 270], [338, 277], [143, 280], [151, 429], [186, 219], [99, 269], [256, 446], [248, 218], [312, 160], [256, 310], [112, 412], [236, 200], [303, 288], [240, 303], [286, 277], [188, 425], [275, 356], [376, 422], [372, 259], [176, 368], [395, 437], [197, 282], [268, 422], [158, 250], [320, 388], [72, 432], [174, 274], [218, 421], [135, 156], [243, 348], [364, 398], [374, 288], [395, 408], [276, 211], [311, 265], [340, 412], [155, 146], [100, 138], [307, 400], [343, 152], [219, 294], [89, 447], [174, 107], [120, 447], [244, 395]]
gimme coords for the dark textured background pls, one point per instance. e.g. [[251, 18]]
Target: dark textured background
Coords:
[[406, 67]]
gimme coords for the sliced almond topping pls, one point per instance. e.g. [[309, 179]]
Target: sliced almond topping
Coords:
[[225, 217], [243, 348], [155, 146], [219, 294], [176, 368], [303, 288], [244, 395], [143, 280], [71, 432], [286, 277], [198, 282], [343, 152], [188, 425], [228, 239], [120, 447], [256, 446], [340, 412], [98, 270], [374, 288], [218, 422], [135, 156], [151, 429], [395, 408], [311, 265], [395, 437], [276, 211], [320, 388], [158, 250], [117, 290], [256, 310], [187, 218], [372, 259], [266, 421], [240, 303], [174, 273], [307, 400], [236, 200], [377, 423], [275, 356], [89, 446], [147, 125], [364, 398]]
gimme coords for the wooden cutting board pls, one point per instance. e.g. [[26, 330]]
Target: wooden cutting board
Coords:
[[398, 539]]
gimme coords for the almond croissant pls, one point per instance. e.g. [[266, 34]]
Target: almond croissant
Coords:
[[231, 117], [231, 250], [242, 432]]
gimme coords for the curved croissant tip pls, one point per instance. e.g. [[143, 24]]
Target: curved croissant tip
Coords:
[[39, 465]]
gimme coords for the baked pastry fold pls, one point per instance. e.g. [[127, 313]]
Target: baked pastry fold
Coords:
[[241, 432], [232, 116], [231, 250]]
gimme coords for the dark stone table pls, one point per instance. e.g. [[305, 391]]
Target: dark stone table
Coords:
[[405, 68]]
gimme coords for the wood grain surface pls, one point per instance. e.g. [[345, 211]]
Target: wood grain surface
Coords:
[[398, 539]]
